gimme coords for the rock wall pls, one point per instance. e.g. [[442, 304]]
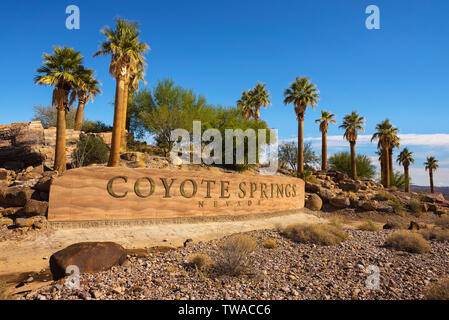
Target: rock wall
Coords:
[[29, 144]]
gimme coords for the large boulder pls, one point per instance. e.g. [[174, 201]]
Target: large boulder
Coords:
[[312, 187], [434, 197], [6, 221], [369, 205], [36, 208], [314, 202], [350, 185], [44, 184], [326, 195], [17, 195], [340, 202], [89, 257], [24, 222]]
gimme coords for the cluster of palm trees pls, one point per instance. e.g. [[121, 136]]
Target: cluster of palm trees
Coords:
[[64, 71], [303, 93]]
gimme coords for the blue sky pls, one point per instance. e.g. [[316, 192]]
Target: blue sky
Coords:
[[220, 48]]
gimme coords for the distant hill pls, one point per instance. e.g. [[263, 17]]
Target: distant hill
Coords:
[[421, 189]]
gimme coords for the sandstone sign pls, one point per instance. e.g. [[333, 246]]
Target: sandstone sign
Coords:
[[97, 194]]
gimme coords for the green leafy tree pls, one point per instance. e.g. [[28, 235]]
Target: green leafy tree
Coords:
[[288, 156], [352, 123], [301, 93], [90, 149], [47, 115], [342, 162]]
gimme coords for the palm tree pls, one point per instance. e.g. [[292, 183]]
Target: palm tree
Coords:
[[131, 86], [395, 143], [387, 138], [245, 107], [258, 97], [324, 121], [431, 165], [60, 71], [301, 94], [352, 123], [126, 50], [86, 90], [405, 158]]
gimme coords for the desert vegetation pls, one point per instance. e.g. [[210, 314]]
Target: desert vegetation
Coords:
[[407, 241]]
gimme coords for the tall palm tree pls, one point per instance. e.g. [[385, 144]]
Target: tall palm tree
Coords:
[[395, 143], [405, 158], [126, 51], [352, 123], [258, 97], [245, 106], [59, 70], [324, 121], [301, 93], [386, 134], [131, 86], [88, 88], [431, 165]]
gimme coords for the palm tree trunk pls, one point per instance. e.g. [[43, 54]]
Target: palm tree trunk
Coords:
[[324, 151], [407, 179], [114, 156], [257, 114], [353, 161], [125, 111], [382, 169], [386, 182], [432, 189], [60, 149], [300, 165], [79, 115], [390, 164]]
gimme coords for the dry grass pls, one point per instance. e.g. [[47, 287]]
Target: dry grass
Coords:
[[443, 222], [368, 226], [398, 207], [438, 290], [269, 244], [321, 234], [408, 241], [201, 261], [233, 258], [383, 195], [436, 233], [415, 206]]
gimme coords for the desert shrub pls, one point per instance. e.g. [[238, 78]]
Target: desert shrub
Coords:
[[435, 234], [368, 226], [200, 261], [321, 234], [398, 207], [383, 195], [90, 149], [443, 222], [407, 241], [398, 181], [437, 291], [269, 244], [342, 162], [308, 176], [234, 255], [415, 206]]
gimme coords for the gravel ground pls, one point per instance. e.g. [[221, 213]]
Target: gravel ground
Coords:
[[289, 271]]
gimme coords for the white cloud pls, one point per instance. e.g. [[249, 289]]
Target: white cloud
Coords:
[[410, 139], [420, 177]]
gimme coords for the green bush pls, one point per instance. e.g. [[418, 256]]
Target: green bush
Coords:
[[398, 207], [95, 127], [90, 149], [342, 162], [383, 195]]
